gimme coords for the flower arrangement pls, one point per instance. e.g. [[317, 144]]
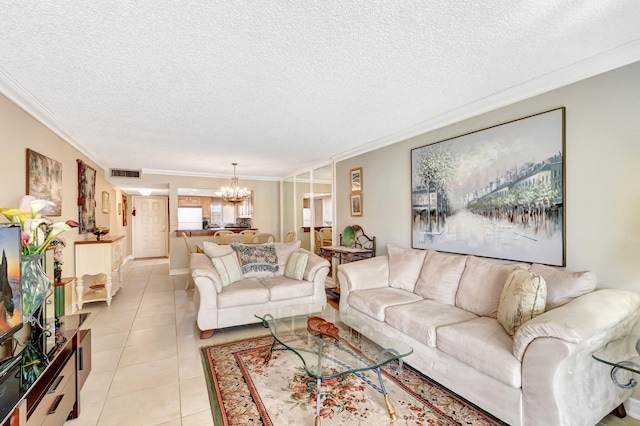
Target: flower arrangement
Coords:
[[38, 232], [58, 257]]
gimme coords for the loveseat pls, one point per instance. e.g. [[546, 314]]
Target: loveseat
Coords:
[[446, 307], [262, 285]]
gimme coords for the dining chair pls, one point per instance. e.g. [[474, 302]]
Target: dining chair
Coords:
[[218, 237], [190, 250], [327, 236], [317, 240], [263, 237], [248, 235], [291, 236], [234, 238]]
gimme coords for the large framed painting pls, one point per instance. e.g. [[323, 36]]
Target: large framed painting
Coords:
[[44, 181], [86, 197], [496, 192]]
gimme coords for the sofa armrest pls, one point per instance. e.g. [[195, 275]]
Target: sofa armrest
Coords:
[[314, 264], [364, 274], [201, 266], [607, 312]]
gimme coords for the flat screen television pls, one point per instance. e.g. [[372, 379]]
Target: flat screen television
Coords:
[[10, 281]]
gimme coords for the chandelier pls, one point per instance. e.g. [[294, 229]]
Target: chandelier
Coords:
[[234, 194]]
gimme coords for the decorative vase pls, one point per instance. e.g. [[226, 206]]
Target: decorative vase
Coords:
[[57, 275], [35, 286]]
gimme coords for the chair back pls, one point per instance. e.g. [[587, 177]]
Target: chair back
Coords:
[[327, 236], [234, 238], [218, 237], [317, 240], [262, 238], [186, 241], [248, 235], [291, 236]]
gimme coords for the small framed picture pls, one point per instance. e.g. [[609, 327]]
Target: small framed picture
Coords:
[[356, 179], [119, 209], [356, 204], [106, 205]]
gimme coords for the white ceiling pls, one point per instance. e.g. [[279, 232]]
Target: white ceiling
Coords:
[[278, 86]]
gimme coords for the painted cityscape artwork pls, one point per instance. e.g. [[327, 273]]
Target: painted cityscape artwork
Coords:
[[497, 192]]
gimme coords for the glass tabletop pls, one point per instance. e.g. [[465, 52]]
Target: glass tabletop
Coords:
[[326, 346]]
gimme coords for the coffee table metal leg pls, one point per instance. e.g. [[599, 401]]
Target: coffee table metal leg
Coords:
[[318, 418], [387, 401]]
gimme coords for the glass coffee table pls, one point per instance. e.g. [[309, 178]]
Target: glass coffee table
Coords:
[[332, 349]]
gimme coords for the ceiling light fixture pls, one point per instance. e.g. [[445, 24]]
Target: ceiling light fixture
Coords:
[[234, 194], [145, 192]]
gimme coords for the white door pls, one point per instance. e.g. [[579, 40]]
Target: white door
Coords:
[[150, 227]]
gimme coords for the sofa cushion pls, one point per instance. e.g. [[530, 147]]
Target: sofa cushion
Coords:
[[375, 301], [481, 285], [228, 268], [523, 298], [440, 277], [215, 250], [420, 320], [257, 260], [296, 265], [283, 288], [248, 291], [564, 286], [404, 266], [283, 251], [482, 344]]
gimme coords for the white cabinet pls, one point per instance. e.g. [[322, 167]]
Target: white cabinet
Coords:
[[95, 257]]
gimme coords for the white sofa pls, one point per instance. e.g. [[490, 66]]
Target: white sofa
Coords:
[[219, 306], [445, 307]]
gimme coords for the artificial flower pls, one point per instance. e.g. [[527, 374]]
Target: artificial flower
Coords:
[[38, 232]]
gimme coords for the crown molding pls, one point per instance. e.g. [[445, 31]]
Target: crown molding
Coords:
[[206, 175], [17, 94], [599, 64]]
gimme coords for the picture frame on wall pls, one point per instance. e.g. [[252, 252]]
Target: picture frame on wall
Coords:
[[497, 192], [44, 181], [106, 205], [125, 210], [86, 197], [356, 179], [356, 204]]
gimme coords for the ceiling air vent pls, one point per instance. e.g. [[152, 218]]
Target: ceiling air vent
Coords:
[[125, 173]]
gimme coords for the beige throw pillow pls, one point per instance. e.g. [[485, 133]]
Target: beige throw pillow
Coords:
[[404, 266], [296, 265], [523, 298], [228, 268], [564, 286], [284, 250], [440, 276], [215, 250]]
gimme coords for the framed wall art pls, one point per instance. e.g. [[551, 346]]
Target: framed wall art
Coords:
[[106, 202], [356, 204], [356, 179], [44, 181], [124, 210], [497, 192], [86, 197]]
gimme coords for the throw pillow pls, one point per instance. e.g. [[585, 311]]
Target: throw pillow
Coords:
[[440, 277], [523, 298], [215, 250], [404, 266], [564, 286], [260, 258], [283, 251], [296, 265], [228, 268]]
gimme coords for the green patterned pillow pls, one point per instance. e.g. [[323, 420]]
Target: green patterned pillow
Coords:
[[228, 268], [296, 265], [523, 297], [257, 257]]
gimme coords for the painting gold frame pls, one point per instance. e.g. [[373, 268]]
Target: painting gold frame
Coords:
[[356, 179], [106, 203], [356, 204]]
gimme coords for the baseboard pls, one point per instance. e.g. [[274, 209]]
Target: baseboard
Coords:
[[126, 259], [178, 271], [632, 407]]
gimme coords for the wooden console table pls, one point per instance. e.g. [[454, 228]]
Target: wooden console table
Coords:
[[95, 257]]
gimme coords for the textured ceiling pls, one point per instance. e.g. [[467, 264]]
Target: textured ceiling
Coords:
[[282, 85]]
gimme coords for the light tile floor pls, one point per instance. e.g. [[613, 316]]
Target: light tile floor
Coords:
[[146, 366]]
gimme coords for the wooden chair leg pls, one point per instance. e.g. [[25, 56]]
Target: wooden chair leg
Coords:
[[205, 334], [619, 411], [186, 287]]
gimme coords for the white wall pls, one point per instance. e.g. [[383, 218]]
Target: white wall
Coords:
[[602, 175]]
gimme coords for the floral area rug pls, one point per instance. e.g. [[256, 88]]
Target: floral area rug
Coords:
[[245, 391]]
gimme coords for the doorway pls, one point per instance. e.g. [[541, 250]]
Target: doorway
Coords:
[[150, 227]]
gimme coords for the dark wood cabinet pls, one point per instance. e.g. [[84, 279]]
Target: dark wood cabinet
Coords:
[[55, 395]]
